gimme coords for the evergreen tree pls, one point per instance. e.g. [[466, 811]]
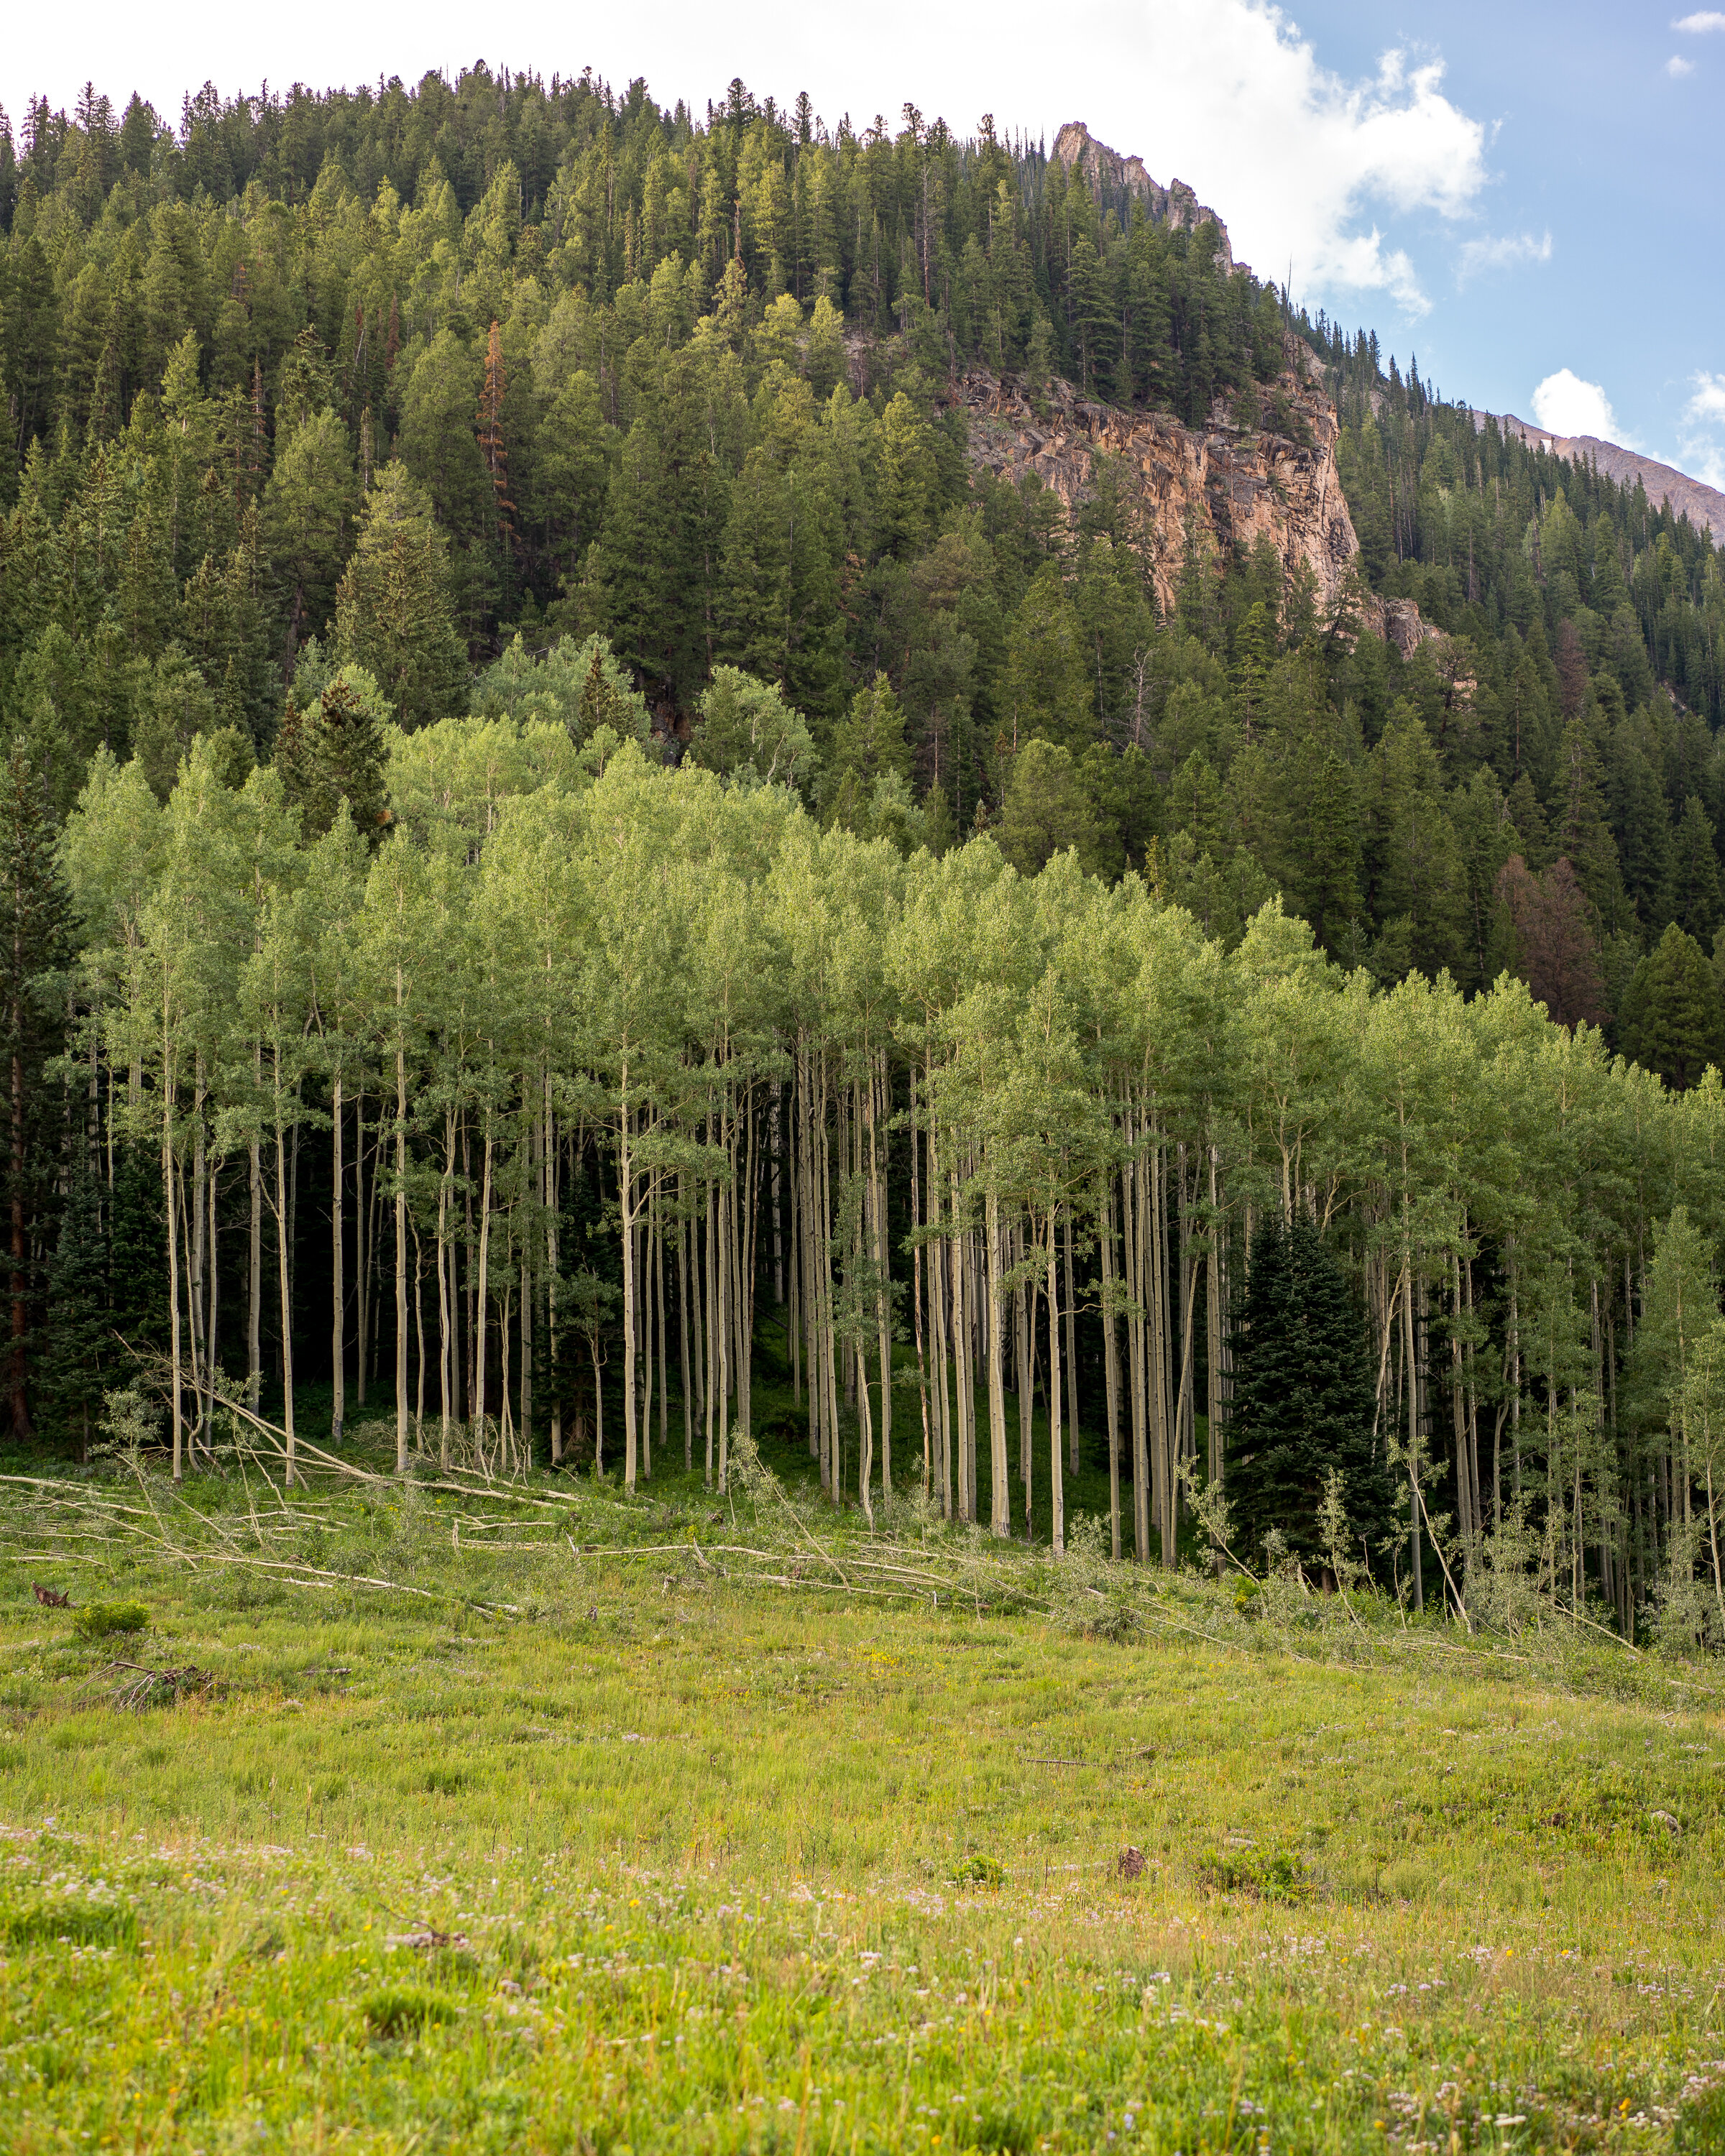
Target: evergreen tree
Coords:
[[336, 753], [1303, 1396], [78, 1340], [35, 942], [1672, 1019], [393, 613], [1692, 897]]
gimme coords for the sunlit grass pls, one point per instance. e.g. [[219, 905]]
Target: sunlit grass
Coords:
[[672, 1859]]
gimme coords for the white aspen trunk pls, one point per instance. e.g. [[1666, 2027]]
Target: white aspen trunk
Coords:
[[1164, 1467], [1056, 1461], [646, 1262], [917, 1270], [879, 1111], [527, 1322], [169, 1179], [338, 1310], [722, 1329], [962, 1372], [362, 1253], [400, 1241], [482, 1290], [197, 1322], [1024, 1318], [209, 1352], [254, 1277], [685, 1235], [445, 1290], [286, 1278], [778, 1224], [1111, 1366], [1131, 1181], [1215, 1296], [551, 1258], [1000, 1497], [1070, 1309], [658, 1333], [418, 1341], [1411, 1361], [626, 1176], [709, 1302]]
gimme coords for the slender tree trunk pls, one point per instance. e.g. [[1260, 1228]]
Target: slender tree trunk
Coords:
[[1111, 1370], [1000, 1495], [626, 1177], [1056, 1461], [482, 1290], [285, 1272], [338, 1316], [1071, 1310], [401, 1240]]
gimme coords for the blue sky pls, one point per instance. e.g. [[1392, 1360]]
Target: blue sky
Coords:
[[1597, 140], [1524, 194]]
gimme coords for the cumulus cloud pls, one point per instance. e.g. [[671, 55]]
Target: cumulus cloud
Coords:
[[1564, 404], [1506, 253], [1307, 167], [1706, 405], [1676, 66], [1708, 18]]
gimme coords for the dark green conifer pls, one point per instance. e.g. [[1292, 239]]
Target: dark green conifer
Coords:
[[1303, 1398]]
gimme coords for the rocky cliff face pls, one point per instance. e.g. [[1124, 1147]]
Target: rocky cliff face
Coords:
[[1233, 486], [1106, 171]]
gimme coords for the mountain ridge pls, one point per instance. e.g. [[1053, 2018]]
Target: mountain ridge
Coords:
[[1704, 506]]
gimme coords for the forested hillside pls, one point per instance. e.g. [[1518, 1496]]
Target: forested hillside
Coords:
[[801, 861]]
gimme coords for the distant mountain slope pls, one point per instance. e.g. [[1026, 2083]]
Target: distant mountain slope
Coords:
[[1703, 505]]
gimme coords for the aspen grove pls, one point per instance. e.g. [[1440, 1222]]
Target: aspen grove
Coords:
[[593, 1086]]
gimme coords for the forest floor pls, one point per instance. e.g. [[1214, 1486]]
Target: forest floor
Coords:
[[428, 1816]]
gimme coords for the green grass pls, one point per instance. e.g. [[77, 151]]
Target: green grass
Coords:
[[667, 1856]]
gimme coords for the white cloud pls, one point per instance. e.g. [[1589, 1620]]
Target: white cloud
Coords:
[[1229, 94], [1709, 18], [1676, 66], [1502, 254], [1702, 453], [1564, 404], [1707, 407], [1308, 167]]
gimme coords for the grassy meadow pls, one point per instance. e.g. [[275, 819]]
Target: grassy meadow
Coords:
[[476, 1819]]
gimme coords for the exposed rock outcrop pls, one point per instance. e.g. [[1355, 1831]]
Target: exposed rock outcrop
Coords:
[[1106, 171], [1228, 485]]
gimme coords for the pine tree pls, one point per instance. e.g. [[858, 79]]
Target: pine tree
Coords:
[[35, 942], [78, 1336], [336, 753], [1303, 1396], [1692, 897], [393, 614], [1671, 1020]]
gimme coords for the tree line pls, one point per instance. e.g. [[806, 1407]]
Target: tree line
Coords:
[[586, 1094]]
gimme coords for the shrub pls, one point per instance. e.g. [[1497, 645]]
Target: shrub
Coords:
[[979, 1871], [100, 1620], [1275, 1875], [402, 2010]]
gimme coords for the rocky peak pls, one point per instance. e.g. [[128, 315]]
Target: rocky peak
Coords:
[[1105, 171]]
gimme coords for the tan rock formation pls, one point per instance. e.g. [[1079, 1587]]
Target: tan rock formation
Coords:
[[1104, 170], [1230, 485]]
